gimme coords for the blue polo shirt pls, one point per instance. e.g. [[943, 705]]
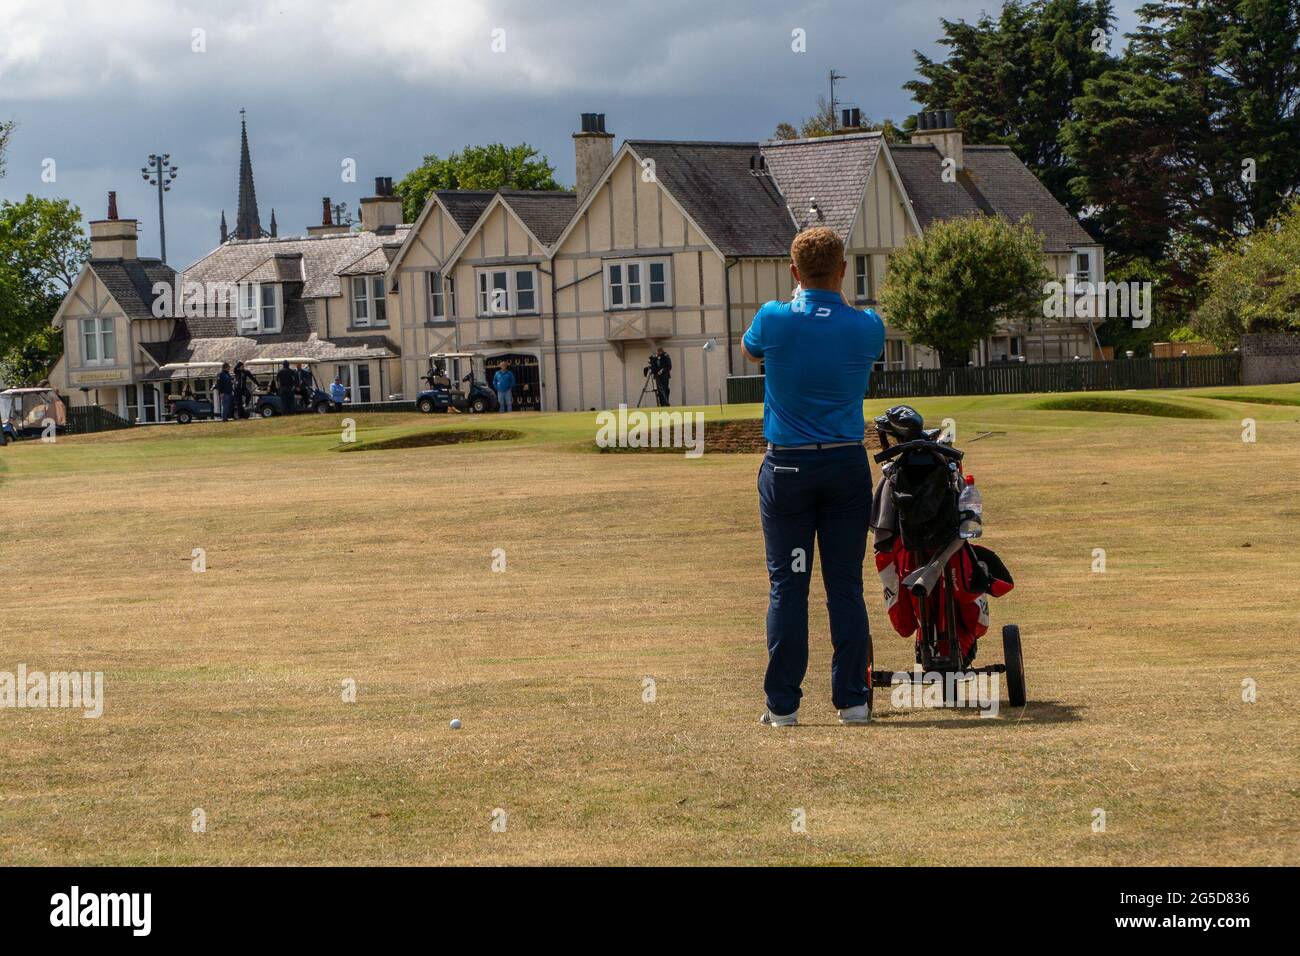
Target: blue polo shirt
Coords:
[[817, 354]]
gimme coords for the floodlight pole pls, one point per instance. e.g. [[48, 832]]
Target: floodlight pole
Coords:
[[161, 173]]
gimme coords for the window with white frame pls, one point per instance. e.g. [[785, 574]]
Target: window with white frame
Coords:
[[369, 304], [862, 291], [437, 297], [259, 307], [1082, 268], [891, 359], [507, 291], [355, 377], [637, 284], [98, 343]]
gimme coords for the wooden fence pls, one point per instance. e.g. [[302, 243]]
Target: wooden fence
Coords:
[[93, 418], [1193, 371]]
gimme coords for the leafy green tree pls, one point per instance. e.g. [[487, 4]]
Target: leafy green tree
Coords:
[[954, 284], [42, 249], [1012, 80], [1253, 283], [1195, 131], [495, 166], [29, 361]]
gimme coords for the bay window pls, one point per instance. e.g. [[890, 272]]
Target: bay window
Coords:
[[637, 284], [507, 291]]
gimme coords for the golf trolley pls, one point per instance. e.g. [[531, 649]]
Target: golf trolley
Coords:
[[925, 515]]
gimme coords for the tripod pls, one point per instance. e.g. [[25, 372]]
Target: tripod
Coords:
[[650, 387]]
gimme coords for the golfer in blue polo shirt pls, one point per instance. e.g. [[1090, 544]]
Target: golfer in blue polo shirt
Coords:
[[815, 481]]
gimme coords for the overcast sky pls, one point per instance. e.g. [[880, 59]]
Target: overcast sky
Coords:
[[97, 86]]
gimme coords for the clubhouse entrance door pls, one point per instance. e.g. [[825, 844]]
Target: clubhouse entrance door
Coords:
[[528, 391]]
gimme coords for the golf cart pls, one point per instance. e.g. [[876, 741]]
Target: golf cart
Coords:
[[24, 413], [190, 406], [456, 380], [267, 403], [925, 516]]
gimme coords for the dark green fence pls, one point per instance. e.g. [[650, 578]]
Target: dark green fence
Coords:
[[1194, 371], [94, 418]]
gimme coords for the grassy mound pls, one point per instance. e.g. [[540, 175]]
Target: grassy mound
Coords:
[[446, 436], [1257, 399], [1122, 406]]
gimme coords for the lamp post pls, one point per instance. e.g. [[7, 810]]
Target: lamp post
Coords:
[[161, 173]]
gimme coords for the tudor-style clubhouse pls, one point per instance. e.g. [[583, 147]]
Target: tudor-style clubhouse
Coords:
[[669, 244]]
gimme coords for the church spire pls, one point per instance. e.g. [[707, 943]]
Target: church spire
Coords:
[[247, 223], [225, 233]]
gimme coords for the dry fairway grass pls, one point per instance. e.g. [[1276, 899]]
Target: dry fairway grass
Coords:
[[224, 689]]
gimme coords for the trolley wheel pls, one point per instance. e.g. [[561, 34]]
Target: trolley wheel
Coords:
[[1015, 665], [184, 418], [426, 405], [267, 411]]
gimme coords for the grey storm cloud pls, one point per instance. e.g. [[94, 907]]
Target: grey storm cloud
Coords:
[[97, 86]]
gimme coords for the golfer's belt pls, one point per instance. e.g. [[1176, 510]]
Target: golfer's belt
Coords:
[[818, 447]]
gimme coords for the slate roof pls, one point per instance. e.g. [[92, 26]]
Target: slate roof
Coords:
[[322, 258], [830, 170], [1012, 189], [993, 181], [545, 212], [466, 205], [235, 348], [130, 282], [741, 213]]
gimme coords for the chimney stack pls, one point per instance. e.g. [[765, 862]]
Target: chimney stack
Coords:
[[593, 150], [383, 210], [327, 227], [113, 238], [938, 128]]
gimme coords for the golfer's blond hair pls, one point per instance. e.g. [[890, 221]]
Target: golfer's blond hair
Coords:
[[817, 254]]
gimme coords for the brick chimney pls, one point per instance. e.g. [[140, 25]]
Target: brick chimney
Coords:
[[113, 238], [383, 210], [327, 226], [593, 149], [939, 129]]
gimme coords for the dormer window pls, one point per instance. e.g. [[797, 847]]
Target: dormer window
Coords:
[[369, 304], [260, 308]]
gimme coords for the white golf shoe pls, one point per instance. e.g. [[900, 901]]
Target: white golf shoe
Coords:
[[860, 714], [778, 720]]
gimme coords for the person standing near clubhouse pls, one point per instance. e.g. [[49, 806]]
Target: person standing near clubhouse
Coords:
[[244, 387], [815, 481], [338, 391], [504, 384], [663, 366], [226, 392], [286, 381]]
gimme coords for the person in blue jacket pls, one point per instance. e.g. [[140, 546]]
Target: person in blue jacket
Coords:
[[503, 382]]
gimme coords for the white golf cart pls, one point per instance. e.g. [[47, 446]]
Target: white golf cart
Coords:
[[27, 412]]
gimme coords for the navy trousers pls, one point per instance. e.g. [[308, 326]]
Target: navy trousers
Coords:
[[824, 495]]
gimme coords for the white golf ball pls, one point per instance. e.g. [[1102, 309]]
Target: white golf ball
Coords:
[[455, 723]]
